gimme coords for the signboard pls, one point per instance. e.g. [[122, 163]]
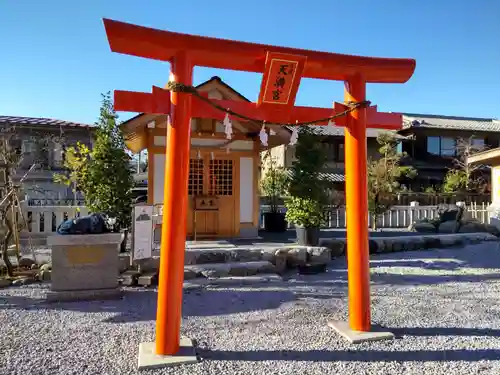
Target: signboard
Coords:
[[281, 79], [143, 231]]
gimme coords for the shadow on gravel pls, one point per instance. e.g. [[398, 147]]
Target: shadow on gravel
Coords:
[[444, 331], [140, 305], [354, 356]]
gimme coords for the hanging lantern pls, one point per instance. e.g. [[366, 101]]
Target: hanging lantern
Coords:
[[263, 135], [228, 126]]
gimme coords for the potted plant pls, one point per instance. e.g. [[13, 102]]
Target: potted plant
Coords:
[[273, 187], [308, 195]]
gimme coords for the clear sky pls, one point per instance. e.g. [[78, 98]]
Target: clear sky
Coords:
[[55, 60]]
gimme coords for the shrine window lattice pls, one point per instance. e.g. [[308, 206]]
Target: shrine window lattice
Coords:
[[195, 184], [221, 177]]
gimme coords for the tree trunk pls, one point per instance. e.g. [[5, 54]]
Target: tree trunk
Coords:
[[5, 254]]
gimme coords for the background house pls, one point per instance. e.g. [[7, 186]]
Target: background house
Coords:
[[332, 139], [431, 144], [44, 141]]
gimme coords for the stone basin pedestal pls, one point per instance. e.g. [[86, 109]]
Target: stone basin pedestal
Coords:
[[84, 267]]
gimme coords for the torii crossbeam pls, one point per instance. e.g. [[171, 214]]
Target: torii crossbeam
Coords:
[[282, 70]]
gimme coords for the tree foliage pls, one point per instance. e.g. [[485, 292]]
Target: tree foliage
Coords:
[[274, 183], [307, 191], [464, 177], [103, 174], [384, 175]]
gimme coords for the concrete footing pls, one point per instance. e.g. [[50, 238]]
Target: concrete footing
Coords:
[[356, 337], [148, 359]]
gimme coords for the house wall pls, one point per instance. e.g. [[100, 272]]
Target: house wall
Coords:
[[39, 182]]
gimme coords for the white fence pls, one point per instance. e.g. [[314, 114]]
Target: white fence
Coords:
[[396, 217], [43, 220]]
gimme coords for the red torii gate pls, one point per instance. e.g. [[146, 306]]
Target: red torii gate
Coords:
[[283, 68]]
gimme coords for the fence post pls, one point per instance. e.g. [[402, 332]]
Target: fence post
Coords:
[[411, 211]]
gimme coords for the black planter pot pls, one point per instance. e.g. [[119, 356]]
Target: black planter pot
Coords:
[[275, 222], [307, 236]]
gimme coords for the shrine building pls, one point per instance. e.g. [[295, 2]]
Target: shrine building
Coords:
[[223, 182]]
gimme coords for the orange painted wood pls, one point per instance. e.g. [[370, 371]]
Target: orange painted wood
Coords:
[[146, 102], [250, 57], [357, 216], [173, 230]]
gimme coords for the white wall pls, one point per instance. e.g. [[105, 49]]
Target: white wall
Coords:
[[159, 177], [246, 190]]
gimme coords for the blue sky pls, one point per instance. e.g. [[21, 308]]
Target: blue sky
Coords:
[[55, 60]]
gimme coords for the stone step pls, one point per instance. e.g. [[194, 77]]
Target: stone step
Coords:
[[218, 270]]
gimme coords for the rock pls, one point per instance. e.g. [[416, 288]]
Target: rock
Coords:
[[451, 241], [26, 262], [211, 270], [206, 256], [431, 242], [311, 268], [23, 281], [148, 279], [189, 274], [123, 262], [245, 255], [280, 261], [319, 254], [46, 267], [415, 243], [398, 245], [379, 247], [251, 268], [296, 255], [473, 226], [337, 247], [450, 226], [4, 283], [422, 227], [45, 275], [450, 212]]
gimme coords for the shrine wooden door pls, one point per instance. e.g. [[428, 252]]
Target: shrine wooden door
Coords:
[[212, 197]]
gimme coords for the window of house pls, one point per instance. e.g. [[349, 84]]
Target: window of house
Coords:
[[443, 146], [477, 143]]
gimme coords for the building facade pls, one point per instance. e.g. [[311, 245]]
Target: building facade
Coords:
[[43, 141]]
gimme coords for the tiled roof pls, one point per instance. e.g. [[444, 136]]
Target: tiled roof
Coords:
[[336, 175], [412, 120], [340, 130], [36, 121]]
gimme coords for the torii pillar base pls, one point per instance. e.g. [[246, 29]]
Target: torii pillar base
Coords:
[[357, 337], [148, 359]]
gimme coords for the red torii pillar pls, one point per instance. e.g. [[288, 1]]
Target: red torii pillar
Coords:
[[186, 51]]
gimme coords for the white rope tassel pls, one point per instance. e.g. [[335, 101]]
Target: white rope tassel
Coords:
[[199, 154], [212, 155], [295, 136], [228, 126], [263, 135], [331, 123]]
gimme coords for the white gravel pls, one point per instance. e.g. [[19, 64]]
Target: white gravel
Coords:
[[443, 305]]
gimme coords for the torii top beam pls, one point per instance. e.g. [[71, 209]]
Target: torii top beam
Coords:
[[250, 57]]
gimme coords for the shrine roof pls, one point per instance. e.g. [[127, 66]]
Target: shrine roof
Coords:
[[413, 120]]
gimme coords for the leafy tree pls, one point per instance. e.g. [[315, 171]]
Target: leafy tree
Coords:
[[103, 174], [274, 184], [463, 176], [307, 191], [384, 175]]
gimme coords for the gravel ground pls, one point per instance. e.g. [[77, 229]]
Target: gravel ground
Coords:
[[443, 306]]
